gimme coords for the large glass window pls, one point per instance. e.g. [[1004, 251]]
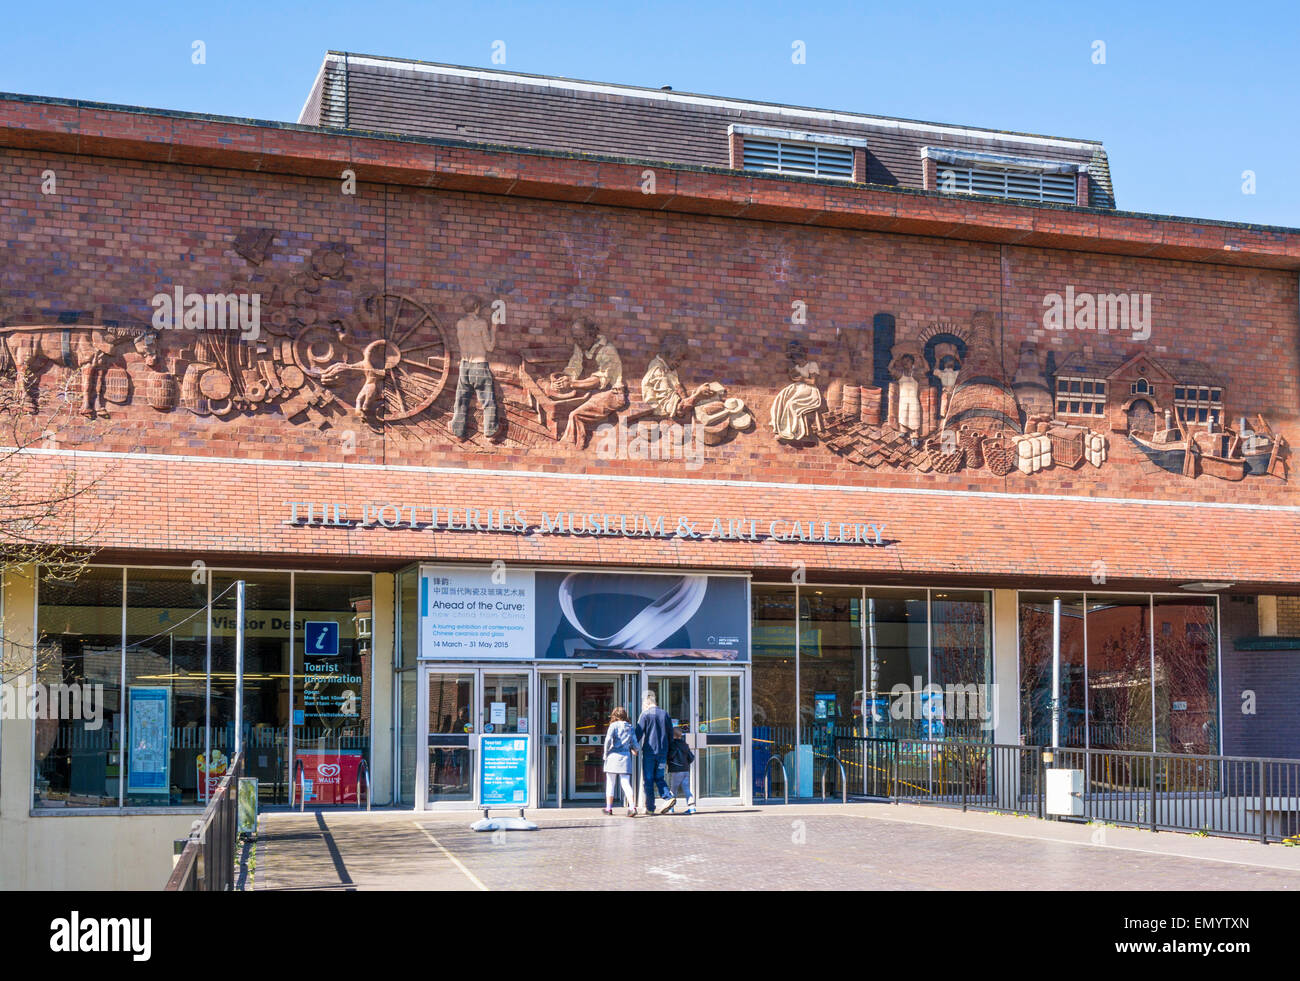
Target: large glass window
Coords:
[[331, 656], [79, 653], [267, 605], [143, 641], [1036, 626], [898, 664], [1138, 672], [961, 662], [830, 673], [1186, 674], [773, 684], [167, 686], [881, 662], [1119, 672]]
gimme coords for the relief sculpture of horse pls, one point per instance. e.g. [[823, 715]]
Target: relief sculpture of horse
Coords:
[[31, 348]]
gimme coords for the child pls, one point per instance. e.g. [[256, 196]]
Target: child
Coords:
[[620, 747], [680, 759]]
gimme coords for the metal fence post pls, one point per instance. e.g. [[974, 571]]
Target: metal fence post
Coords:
[[1263, 812], [962, 753], [1152, 774], [1042, 783]]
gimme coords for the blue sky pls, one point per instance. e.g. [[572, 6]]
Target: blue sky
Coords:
[[1191, 94]]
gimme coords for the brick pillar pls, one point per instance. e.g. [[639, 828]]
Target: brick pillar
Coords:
[[929, 175], [736, 146], [860, 165], [1081, 194]]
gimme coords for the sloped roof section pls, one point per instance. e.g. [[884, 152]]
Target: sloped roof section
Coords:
[[414, 98]]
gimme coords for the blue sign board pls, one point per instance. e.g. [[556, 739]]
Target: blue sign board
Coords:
[[503, 780], [149, 749], [321, 638]]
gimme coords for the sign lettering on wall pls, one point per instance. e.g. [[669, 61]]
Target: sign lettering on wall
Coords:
[[519, 521]]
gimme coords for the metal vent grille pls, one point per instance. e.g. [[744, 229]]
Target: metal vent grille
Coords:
[[809, 159], [1026, 185]]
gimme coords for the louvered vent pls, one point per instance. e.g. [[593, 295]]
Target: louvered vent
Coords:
[[1026, 185], [808, 159]]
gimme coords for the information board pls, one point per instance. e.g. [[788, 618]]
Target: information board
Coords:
[[503, 780], [149, 756]]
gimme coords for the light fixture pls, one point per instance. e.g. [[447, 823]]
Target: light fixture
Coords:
[[1205, 587]]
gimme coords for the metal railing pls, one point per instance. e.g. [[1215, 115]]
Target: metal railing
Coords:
[[767, 777], [1235, 796], [844, 777], [363, 770], [300, 782], [206, 862]]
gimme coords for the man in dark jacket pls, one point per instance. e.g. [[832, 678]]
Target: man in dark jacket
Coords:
[[654, 731]]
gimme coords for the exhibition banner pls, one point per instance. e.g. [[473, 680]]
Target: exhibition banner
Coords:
[[642, 616], [485, 614], [470, 614]]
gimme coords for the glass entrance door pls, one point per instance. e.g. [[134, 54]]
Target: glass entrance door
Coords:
[[721, 735], [550, 714], [591, 702], [452, 737], [708, 709]]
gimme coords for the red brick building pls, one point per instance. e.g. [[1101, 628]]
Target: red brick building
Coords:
[[814, 359]]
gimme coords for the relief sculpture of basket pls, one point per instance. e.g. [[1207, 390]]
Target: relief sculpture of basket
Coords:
[[972, 441], [999, 454], [946, 454]]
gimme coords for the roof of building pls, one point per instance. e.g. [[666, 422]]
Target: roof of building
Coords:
[[1183, 370], [416, 98]]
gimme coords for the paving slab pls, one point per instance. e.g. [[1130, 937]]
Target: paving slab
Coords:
[[820, 846]]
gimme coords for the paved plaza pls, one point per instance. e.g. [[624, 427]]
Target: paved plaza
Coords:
[[826, 846]]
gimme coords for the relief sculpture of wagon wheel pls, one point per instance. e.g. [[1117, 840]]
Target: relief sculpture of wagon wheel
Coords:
[[397, 354], [417, 357]]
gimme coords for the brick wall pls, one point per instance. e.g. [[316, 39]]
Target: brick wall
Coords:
[[118, 231], [1273, 680]]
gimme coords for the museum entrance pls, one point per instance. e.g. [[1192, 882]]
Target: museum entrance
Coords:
[[707, 706], [577, 707]]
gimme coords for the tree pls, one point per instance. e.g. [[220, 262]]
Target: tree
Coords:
[[50, 516]]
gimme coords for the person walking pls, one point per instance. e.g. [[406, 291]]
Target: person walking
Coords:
[[620, 747], [654, 734], [680, 758]]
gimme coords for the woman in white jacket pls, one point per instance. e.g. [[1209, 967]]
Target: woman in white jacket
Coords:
[[620, 747]]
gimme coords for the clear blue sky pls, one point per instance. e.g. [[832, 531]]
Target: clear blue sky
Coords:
[[1191, 95]]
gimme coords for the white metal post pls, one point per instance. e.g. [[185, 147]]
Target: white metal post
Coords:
[[1056, 672], [239, 666]]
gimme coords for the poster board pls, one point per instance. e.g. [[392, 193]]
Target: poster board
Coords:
[[149, 740], [503, 771]]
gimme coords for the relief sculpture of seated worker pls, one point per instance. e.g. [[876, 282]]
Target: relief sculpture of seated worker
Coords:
[[594, 367]]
